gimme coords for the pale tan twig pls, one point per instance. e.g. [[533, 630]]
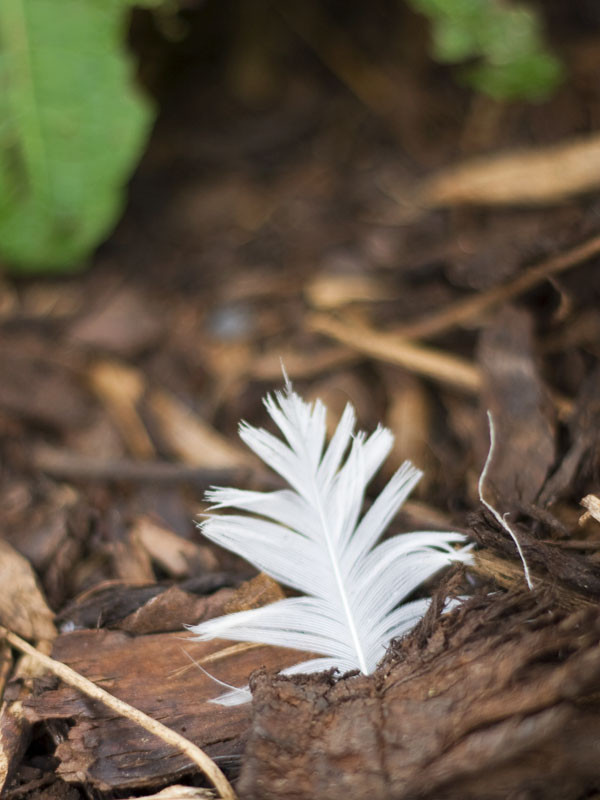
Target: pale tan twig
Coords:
[[68, 675], [218, 655], [429, 362], [435, 364]]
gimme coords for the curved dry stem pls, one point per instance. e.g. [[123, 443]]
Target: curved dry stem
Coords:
[[73, 678], [497, 516]]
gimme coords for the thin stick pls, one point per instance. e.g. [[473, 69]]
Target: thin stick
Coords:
[[72, 466], [443, 367], [500, 519], [68, 675], [464, 310]]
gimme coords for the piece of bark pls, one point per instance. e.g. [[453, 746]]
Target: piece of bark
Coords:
[[43, 526], [156, 674], [553, 563], [177, 557], [438, 365], [57, 790], [254, 593], [408, 416], [6, 665], [23, 609], [580, 466], [130, 561], [510, 575], [12, 736], [127, 607], [120, 389], [15, 735], [15, 726], [516, 397], [173, 608], [497, 699], [191, 438]]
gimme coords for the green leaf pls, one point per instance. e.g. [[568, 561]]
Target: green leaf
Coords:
[[72, 127], [503, 39]]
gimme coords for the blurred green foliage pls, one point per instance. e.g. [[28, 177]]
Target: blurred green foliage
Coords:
[[72, 127], [73, 124], [503, 41]]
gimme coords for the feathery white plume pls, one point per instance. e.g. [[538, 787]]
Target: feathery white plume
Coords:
[[310, 538]]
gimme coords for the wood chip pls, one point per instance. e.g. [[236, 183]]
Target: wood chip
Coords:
[[409, 418], [190, 438], [120, 388], [131, 561], [581, 460], [116, 605], [572, 574], [174, 608], [125, 710], [255, 593], [327, 292], [23, 608], [178, 557], [521, 409]]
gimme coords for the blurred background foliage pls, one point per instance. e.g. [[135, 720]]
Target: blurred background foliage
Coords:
[[504, 44], [74, 122], [73, 125]]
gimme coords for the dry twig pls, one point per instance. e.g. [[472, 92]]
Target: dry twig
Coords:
[[443, 367], [68, 675], [464, 310], [68, 465], [537, 176]]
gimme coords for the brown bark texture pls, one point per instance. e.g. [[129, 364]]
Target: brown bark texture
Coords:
[[497, 699], [161, 675]]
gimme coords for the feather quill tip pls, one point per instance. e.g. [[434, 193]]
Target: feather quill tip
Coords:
[[312, 538]]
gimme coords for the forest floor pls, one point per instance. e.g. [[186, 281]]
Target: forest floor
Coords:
[[335, 203]]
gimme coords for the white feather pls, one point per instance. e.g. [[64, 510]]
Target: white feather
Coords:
[[310, 538]]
